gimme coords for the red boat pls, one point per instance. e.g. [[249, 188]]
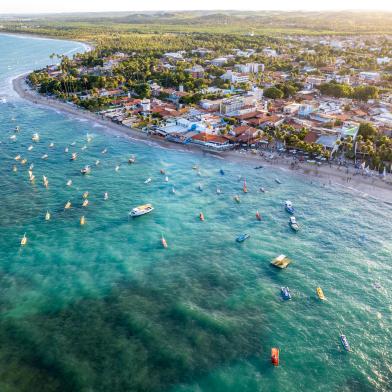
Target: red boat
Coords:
[[258, 216], [275, 356]]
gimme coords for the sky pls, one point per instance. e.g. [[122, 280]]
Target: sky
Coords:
[[38, 6]]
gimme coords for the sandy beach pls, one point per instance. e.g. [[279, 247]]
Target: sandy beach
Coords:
[[350, 179]]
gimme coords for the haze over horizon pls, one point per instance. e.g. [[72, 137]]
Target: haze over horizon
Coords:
[[46, 6]]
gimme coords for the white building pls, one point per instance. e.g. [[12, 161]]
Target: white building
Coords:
[[270, 52], [383, 60], [371, 76], [235, 77], [218, 62]]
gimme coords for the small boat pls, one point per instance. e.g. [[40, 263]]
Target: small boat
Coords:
[[258, 167], [166, 179], [105, 196], [83, 148], [73, 143], [17, 129], [82, 220], [86, 170], [173, 190], [258, 216], [117, 168], [132, 159], [242, 237], [141, 210], [262, 190], [281, 261], [162, 171], [35, 137], [345, 343], [17, 158], [32, 177], [218, 191], [285, 291], [293, 223], [104, 151], [148, 180], [222, 172], [45, 181], [69, 182], [275, 356], [97, 162], [23, 161], [31, 167], [320, 293], [85, 203], [67, 205], [88, 138], [51, 145], [201, 216], [29, 148], [74, 156], [289, 207], [163, 241], [47, 216], [45, 156], [194, 167], [14, 168], [244, 188], [23, 241], [13, 137], [199, 173], [200, 188], [277, 181], [237, 198], [66, 149], [85, 195]]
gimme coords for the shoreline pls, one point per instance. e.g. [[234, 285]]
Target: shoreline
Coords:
[[326, 175]]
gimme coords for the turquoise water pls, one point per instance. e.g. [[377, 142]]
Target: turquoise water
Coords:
[[103, 307]]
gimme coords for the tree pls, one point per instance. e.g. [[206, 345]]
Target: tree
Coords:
[[367, 131], [273, 93]]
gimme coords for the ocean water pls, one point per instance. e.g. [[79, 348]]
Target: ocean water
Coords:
[[103, 307]]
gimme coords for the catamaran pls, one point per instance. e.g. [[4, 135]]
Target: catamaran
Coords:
[[141, 210]]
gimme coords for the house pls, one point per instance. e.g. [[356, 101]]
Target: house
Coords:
[[235, 77], [291, 108], [269, 52], [211, 105], [197, 71], [231, 105], [176, 56], [213, 142], [369, 76], [328, 141], [383, 60], [350, 128], [305, 110], [218, 62]]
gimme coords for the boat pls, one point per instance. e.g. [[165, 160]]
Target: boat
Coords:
[[32, 177], [17, 129], [289, 207], [85, 195], [162, 171], [345, 343], [277, 181], [69, 182], [201, 216], [293, 223], [242, 237], [244, 188], [14, 168], [285, 291], [66, 149], [194, 167], [141, 210], [17, 158], [86, 170], [45, 181], [166, 179], [200, 188], [47, 216], [88, 138], [84, 147], [320, 293], [13, 137], [74, 156], [85, 203], [132, 159], [258, 167], [67, 205], [23, 241], [173, 190], [73, 143], [237, 198], [222, 172], [258, 216], [104, 151], [51, 145], [31, 167], [82, 220], [117, 168], [23, 161], [199, 173], [105, 196], [275, 356], [281, 261], [45, 156], [97, 162], [148, 180], [218, 191], [163, 241], [262, 190], [29, 148], [35, 137]]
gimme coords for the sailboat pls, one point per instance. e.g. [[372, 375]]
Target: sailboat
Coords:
[[67, 205], [244, 188], [69, 182], [66, 149], [82, 220], [47, 216], [163, 241], [74, 156], [201, 216], [45, 181], [14, 168], [258, 216], [105, 196], [23, 241]]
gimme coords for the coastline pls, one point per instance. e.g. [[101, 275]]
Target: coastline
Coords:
[[327, 175]]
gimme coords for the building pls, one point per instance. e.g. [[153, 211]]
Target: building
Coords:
[[369, 76], [197, 71], [213, 142], [235, 77], [350, 128], [270, 52], [218, 62]]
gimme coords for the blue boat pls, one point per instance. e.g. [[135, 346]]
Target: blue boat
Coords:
[[289, 207], [222, 172], [345, 343], [242, 237], [286, 295]]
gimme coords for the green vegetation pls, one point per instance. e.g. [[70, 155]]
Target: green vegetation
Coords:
[[338, 90]]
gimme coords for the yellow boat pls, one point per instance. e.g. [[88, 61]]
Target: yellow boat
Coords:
[[67, 205], [320, 293], [281, 261], [85, 195], [82, 220], [23, 241]]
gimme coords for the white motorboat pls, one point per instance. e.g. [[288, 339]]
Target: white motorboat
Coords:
[[141, 210]]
